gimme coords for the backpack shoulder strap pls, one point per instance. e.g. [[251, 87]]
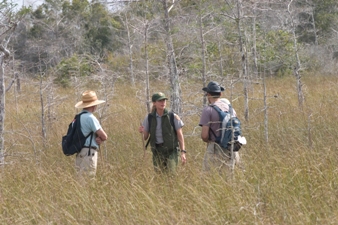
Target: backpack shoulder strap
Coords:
[[216, 108], [172, 122], [79, 123], [150, 116], [90, 134], [219, 113]]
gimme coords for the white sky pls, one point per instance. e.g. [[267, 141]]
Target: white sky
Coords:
[[39, 2], [27, 2]]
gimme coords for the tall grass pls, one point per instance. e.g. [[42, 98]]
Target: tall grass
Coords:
[[292, 179]]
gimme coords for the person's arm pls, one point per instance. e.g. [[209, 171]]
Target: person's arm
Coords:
[[101, 136], [144, 128], [180, 138], [145, 133], [205, 123], [205, 133]]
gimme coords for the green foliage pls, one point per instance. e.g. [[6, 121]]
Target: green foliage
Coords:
[[39, 13], [24, 11], [146, 10], [73, 66], [100, 28], [77, 9], [118, 63], [326, 14], [188, 3], [276, 49], [325, 17]]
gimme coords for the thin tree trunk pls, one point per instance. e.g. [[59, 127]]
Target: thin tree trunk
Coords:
[[43, 125], [266, 121], [244, 74], [254, 47], [2, 107], [220, 54], [147, 65], [314, 26], [204, 66], [296, 70], [175, 99], [4, 53], [130, 52]]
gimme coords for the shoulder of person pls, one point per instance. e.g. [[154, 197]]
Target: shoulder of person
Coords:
[[209, 107], [177, 117], [222, 105]]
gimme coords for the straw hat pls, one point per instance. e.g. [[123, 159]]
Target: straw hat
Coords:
[[89, 99]]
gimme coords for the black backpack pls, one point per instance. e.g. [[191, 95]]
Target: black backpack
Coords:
[[171, 118], [74, 140]]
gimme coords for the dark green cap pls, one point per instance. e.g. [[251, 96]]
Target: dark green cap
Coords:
[[158, 96]]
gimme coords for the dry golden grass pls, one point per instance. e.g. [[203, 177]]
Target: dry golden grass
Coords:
[[292, 179]]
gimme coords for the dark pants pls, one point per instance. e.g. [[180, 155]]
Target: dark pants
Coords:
[[164, 160]]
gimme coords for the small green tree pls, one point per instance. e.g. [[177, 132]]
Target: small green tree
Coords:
[[73, 66]]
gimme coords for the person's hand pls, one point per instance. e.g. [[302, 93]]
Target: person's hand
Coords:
[[183, 158], [141, 129], [98, 140]]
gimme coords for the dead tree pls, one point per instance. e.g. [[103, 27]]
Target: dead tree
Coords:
[[175, 99], [7, 26], [237, 17], [4, 53], [297, 67], [130, 51], [147, 65], [203, 51]]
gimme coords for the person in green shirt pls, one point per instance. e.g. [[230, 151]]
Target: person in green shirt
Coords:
[[164, 130]]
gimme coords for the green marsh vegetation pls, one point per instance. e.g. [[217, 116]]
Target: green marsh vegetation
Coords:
[[292, 179]]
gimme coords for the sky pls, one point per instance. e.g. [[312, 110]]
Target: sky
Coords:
[[26, 2], [38, 2]]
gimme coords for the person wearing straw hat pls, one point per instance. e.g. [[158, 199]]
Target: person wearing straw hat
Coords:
[[164, 130], [86, 159], [215, 156]]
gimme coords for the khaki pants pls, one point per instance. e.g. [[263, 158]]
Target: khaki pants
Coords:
[[86, 164], [217, 158]]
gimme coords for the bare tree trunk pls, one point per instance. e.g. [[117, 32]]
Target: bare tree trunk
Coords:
[[204, 66], [266, 121], [175, 99], [43, 125], [147, 65], [130, 52], [18, 83], [254, 47], [244, 74], [220, 54], [314, 28], [3, 55], [50, 100], [296, 70]]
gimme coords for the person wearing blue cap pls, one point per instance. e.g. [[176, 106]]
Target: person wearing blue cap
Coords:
[[215, 156]]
